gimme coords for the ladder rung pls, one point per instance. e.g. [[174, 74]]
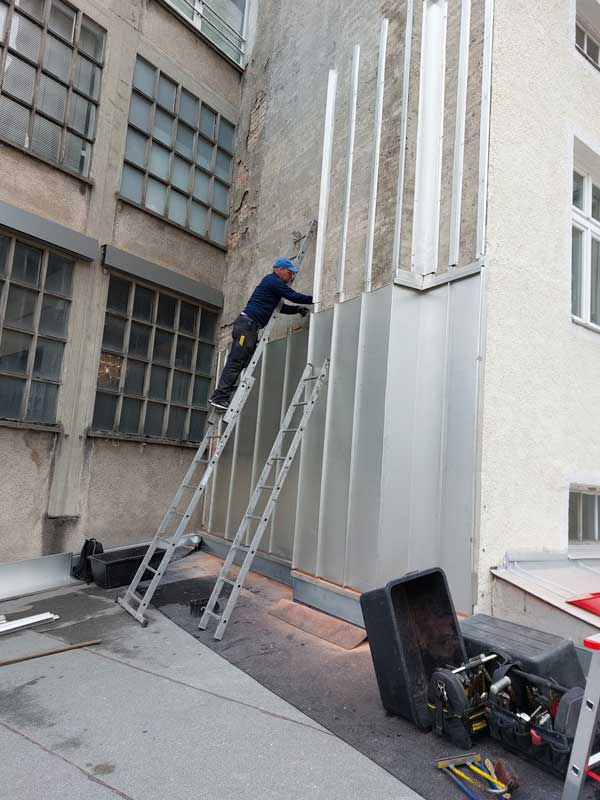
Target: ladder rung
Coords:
[[278, 458], [212, 614], [303, 403], [252, 516], [313, 378], [177, 513], [264, 486], [289, 430], [151, 569], [189, 486], [228, 581], [168, 542]]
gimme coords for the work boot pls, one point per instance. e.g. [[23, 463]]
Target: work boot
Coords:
[[219, 405]]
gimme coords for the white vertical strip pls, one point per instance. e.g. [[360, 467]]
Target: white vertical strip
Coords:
[[430, 134], [376, 153], [459, 140], [403, 128], [349, 163], [325, 186], [484, 127]]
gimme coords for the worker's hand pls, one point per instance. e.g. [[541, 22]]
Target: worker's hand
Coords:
[[303, 311]]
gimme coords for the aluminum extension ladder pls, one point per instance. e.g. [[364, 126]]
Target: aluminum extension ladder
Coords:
[[175, 523], [269, 481]]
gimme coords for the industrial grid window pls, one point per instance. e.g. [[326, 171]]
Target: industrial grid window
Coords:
[[51, 58], [156, 364], [35, 301], [584, 522], [178, 155], [585, 250], [587, 44], [221, 21]]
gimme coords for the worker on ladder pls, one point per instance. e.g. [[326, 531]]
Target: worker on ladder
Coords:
[[273, 288]]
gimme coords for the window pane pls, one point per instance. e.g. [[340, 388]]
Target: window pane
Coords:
[[595, 299], [82, 115], [199, 219], [20, 309], [59, 275], [185, 140], [574, 516], [204, 151], [592, 50], [135, 148], [19, 78], [176, 425], [181, 174], [595, 202], [167, 307], [162, 346], [25, 37], [109, 371], [177, 207], [223, 166], [188, 107], [579, 36], [180, 387], [57, 58], [86, 77], [42, 402], [184, 352], [3, 14], [187, 318], [208, 119], [167, 92], [201, 185], [156, 196], [118, 294], [48, 359], [201, 390], [143, 303], [226, 132], [27, 264], [11, 397], [139, 112], [46, 138], [91, 39], [132, 184], [14, 351], [55, 316], [33, 7], [130, 415], [4, 248], [588, 521], [104, 412], [204, 358], [157, 389], [78, 154], [14, 120], [163, 127], [576, 253], [139, 340], [52, 98], [197, 425], [217, 229], [220, 197], [208, 325], [134, 377], [144, 76], [159, 161], [154, 419], [62, 20], [114, 331]]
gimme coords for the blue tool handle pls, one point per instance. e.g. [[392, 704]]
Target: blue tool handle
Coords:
[[459, 783]]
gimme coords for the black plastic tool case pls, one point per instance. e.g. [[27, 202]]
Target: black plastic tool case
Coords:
[[117, 567]]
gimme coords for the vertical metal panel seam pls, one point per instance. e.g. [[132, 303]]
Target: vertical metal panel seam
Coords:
[[484, 128]]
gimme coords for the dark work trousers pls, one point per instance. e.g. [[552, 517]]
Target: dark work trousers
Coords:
[[245, 337]]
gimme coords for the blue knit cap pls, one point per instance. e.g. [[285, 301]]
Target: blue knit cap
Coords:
[[285, 263]]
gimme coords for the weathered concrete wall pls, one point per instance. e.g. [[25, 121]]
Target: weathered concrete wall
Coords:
[[117, 493], [542, 372]]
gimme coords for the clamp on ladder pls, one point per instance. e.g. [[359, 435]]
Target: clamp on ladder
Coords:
[[267, 482]]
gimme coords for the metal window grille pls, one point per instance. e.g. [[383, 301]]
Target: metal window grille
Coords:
[[35, 301], [584, 508], [51, 58], [178, 155], [156, 364]]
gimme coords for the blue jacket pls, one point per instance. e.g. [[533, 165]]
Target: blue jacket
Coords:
[[266, 296]]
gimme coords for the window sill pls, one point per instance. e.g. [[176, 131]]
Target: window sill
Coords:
[[589, 325], [578, 550], [170, 222], [31, 426], [87, 181], [137, 439]]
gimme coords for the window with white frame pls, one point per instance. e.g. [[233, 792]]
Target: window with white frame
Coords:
[[156, 363], [35, 302], [51, 58], [587, 43], [221, 21], [178, 155], [585, 248], [584, 521]]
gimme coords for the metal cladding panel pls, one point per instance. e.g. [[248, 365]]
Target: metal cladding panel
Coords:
[[284, 518], [337, 448], [367, 440], [311, 458], [220, 495]]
